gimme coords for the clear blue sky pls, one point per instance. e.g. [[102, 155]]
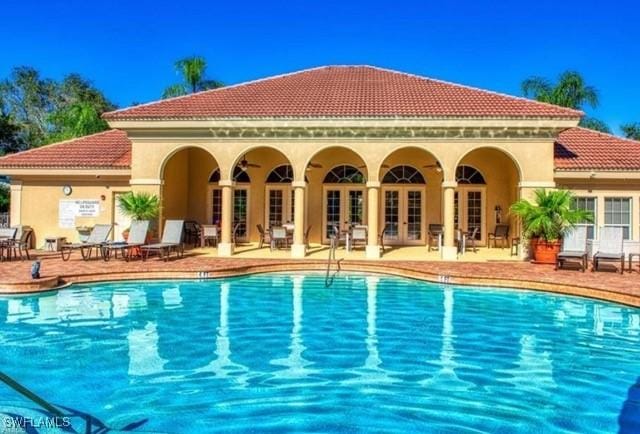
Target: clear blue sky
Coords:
[[127, 48]]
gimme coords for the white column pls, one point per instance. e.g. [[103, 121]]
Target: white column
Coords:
[[225, 246], [448, 251], [299, 248], [15, 212], [373, 195]]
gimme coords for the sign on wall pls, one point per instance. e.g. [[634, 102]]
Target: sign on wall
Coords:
[[69, 209]]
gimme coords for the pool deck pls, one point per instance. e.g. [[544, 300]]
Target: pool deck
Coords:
[[15, 275]]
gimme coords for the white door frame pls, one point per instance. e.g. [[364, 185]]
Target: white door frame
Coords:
[[463, 190], [344, 204]]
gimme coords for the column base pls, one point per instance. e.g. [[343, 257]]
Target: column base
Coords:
[[298, 250], [373, 252], [225, 249], [449, 253]]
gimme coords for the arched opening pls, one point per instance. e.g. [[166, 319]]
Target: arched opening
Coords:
[[185, 176], [410, 195], [483, 195], [337, 190]]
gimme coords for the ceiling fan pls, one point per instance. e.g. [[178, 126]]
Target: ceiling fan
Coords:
[[244, 164], [314, 165], [436, 166]]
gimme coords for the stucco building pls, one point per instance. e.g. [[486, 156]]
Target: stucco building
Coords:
[[332, 146]]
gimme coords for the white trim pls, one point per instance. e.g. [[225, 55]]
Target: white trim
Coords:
[[536, 184], [146, 181]]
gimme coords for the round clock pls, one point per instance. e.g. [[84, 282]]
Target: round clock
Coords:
[[67, 190]]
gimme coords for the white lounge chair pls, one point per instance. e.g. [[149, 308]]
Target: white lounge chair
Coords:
[[610, 248], [137, 237], [97, 238], [574, 248], [171, 241]]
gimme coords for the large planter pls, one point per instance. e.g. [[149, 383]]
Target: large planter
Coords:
[[545, 252]]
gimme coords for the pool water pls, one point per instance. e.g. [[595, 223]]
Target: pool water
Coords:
[[276, 352]]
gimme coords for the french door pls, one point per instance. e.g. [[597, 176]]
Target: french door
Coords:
[[240, 203], [342, 206], [470, 211], [279, 205], [403, 215]]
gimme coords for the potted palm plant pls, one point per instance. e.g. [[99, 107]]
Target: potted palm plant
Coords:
[[546, 220], [139, 206]]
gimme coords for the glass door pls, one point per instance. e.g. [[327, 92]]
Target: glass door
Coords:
[[333, 212], [414, 216], [403, 215], [343, 206], [470, 212], [241, 213], [391, 216], [279, 206]]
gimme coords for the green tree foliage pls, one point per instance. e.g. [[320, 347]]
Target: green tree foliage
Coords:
[[631, 130], [139, 206], [192, 70], [45, 110], [4, 198], [594, 124]]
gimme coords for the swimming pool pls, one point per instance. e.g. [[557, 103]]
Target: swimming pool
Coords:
[[277, 352]]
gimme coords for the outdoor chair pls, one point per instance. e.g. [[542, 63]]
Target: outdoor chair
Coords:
[[337, 237], [7, 238], [209, 234], [22, 245], [358, 236], [306, 236], [264, 236], [574, 248], [610, 248], [192, 232], [234, 234], [500, 233], [171, 241], [466, 239], [434, 233], [279, 237], [137, 237], [381, 237], [96, 239]]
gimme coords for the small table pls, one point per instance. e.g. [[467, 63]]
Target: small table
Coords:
[[53, 244], [631, 256]]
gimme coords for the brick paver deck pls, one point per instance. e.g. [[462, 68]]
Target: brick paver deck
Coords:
[[15, 275]]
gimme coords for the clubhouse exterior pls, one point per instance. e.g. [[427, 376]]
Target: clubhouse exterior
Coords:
[[332, 146]]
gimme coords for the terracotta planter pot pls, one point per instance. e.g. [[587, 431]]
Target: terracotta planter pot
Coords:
[[545, 252]]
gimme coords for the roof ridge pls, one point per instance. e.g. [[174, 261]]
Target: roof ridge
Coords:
[[207, 91], [37, 148], [466, 86], [601, 133]]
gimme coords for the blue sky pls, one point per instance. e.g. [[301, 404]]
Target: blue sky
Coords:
[[127, 48]]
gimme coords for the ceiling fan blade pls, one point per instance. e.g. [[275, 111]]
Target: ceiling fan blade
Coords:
[[315, 165], [385, 166], [253, 165]]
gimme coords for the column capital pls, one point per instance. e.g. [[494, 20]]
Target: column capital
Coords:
[[373, 184], [15, 185], [227, 183], [299, 184], [449, 184]]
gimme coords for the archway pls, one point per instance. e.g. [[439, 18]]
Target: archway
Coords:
[[485, 193]]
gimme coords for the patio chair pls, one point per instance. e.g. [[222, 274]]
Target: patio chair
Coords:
[[306, 236], [382, 235], [137, 237], [23, 244], [574, 248], [358, 236], [470, 239], [209, 234], [171, 241], [434, 232], [337, 237], [7, 238], [234, 233], [610, 248], [264, 236], [96, 239], [192, 232], [279, 237], [500, 233]]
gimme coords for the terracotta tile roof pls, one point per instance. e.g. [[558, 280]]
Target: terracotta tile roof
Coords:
[[106, 150], [344, 91], [584, 149]]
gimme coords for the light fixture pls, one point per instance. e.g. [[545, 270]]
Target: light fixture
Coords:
[[498, 208]]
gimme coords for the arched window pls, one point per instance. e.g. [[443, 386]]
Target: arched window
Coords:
[[239, 175], [281, 174], [344, 175], [469, 175], [403, 175]]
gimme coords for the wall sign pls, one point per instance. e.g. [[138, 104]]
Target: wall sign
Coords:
[[69, 209]]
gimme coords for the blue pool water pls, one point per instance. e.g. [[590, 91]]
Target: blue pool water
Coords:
[[277, 352]]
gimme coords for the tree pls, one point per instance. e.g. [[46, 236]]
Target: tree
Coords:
[[631, 130], [10, 139], [570, 91], [193, 73], [4, 197]]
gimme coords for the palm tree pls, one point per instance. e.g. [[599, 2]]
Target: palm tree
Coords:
[[631, 130], [570, 91], [193, 71]]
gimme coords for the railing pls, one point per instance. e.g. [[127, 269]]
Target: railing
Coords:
[[4, 219], [328, 279]]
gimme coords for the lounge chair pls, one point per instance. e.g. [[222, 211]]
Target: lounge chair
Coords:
[[500, 233], [574, 248], [610, 248], [137, 238], [171, 241], [434, 233], [358, 236], [7, 238], [97, 238]]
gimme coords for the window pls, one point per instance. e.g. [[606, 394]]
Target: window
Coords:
[[469, 175], [617, 212], [216, 214], [281, 174], [587, 204], [239, 175], [344, 175], [403, 175]]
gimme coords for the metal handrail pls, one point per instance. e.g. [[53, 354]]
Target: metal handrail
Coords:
[[30, 395], [328, 280]]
